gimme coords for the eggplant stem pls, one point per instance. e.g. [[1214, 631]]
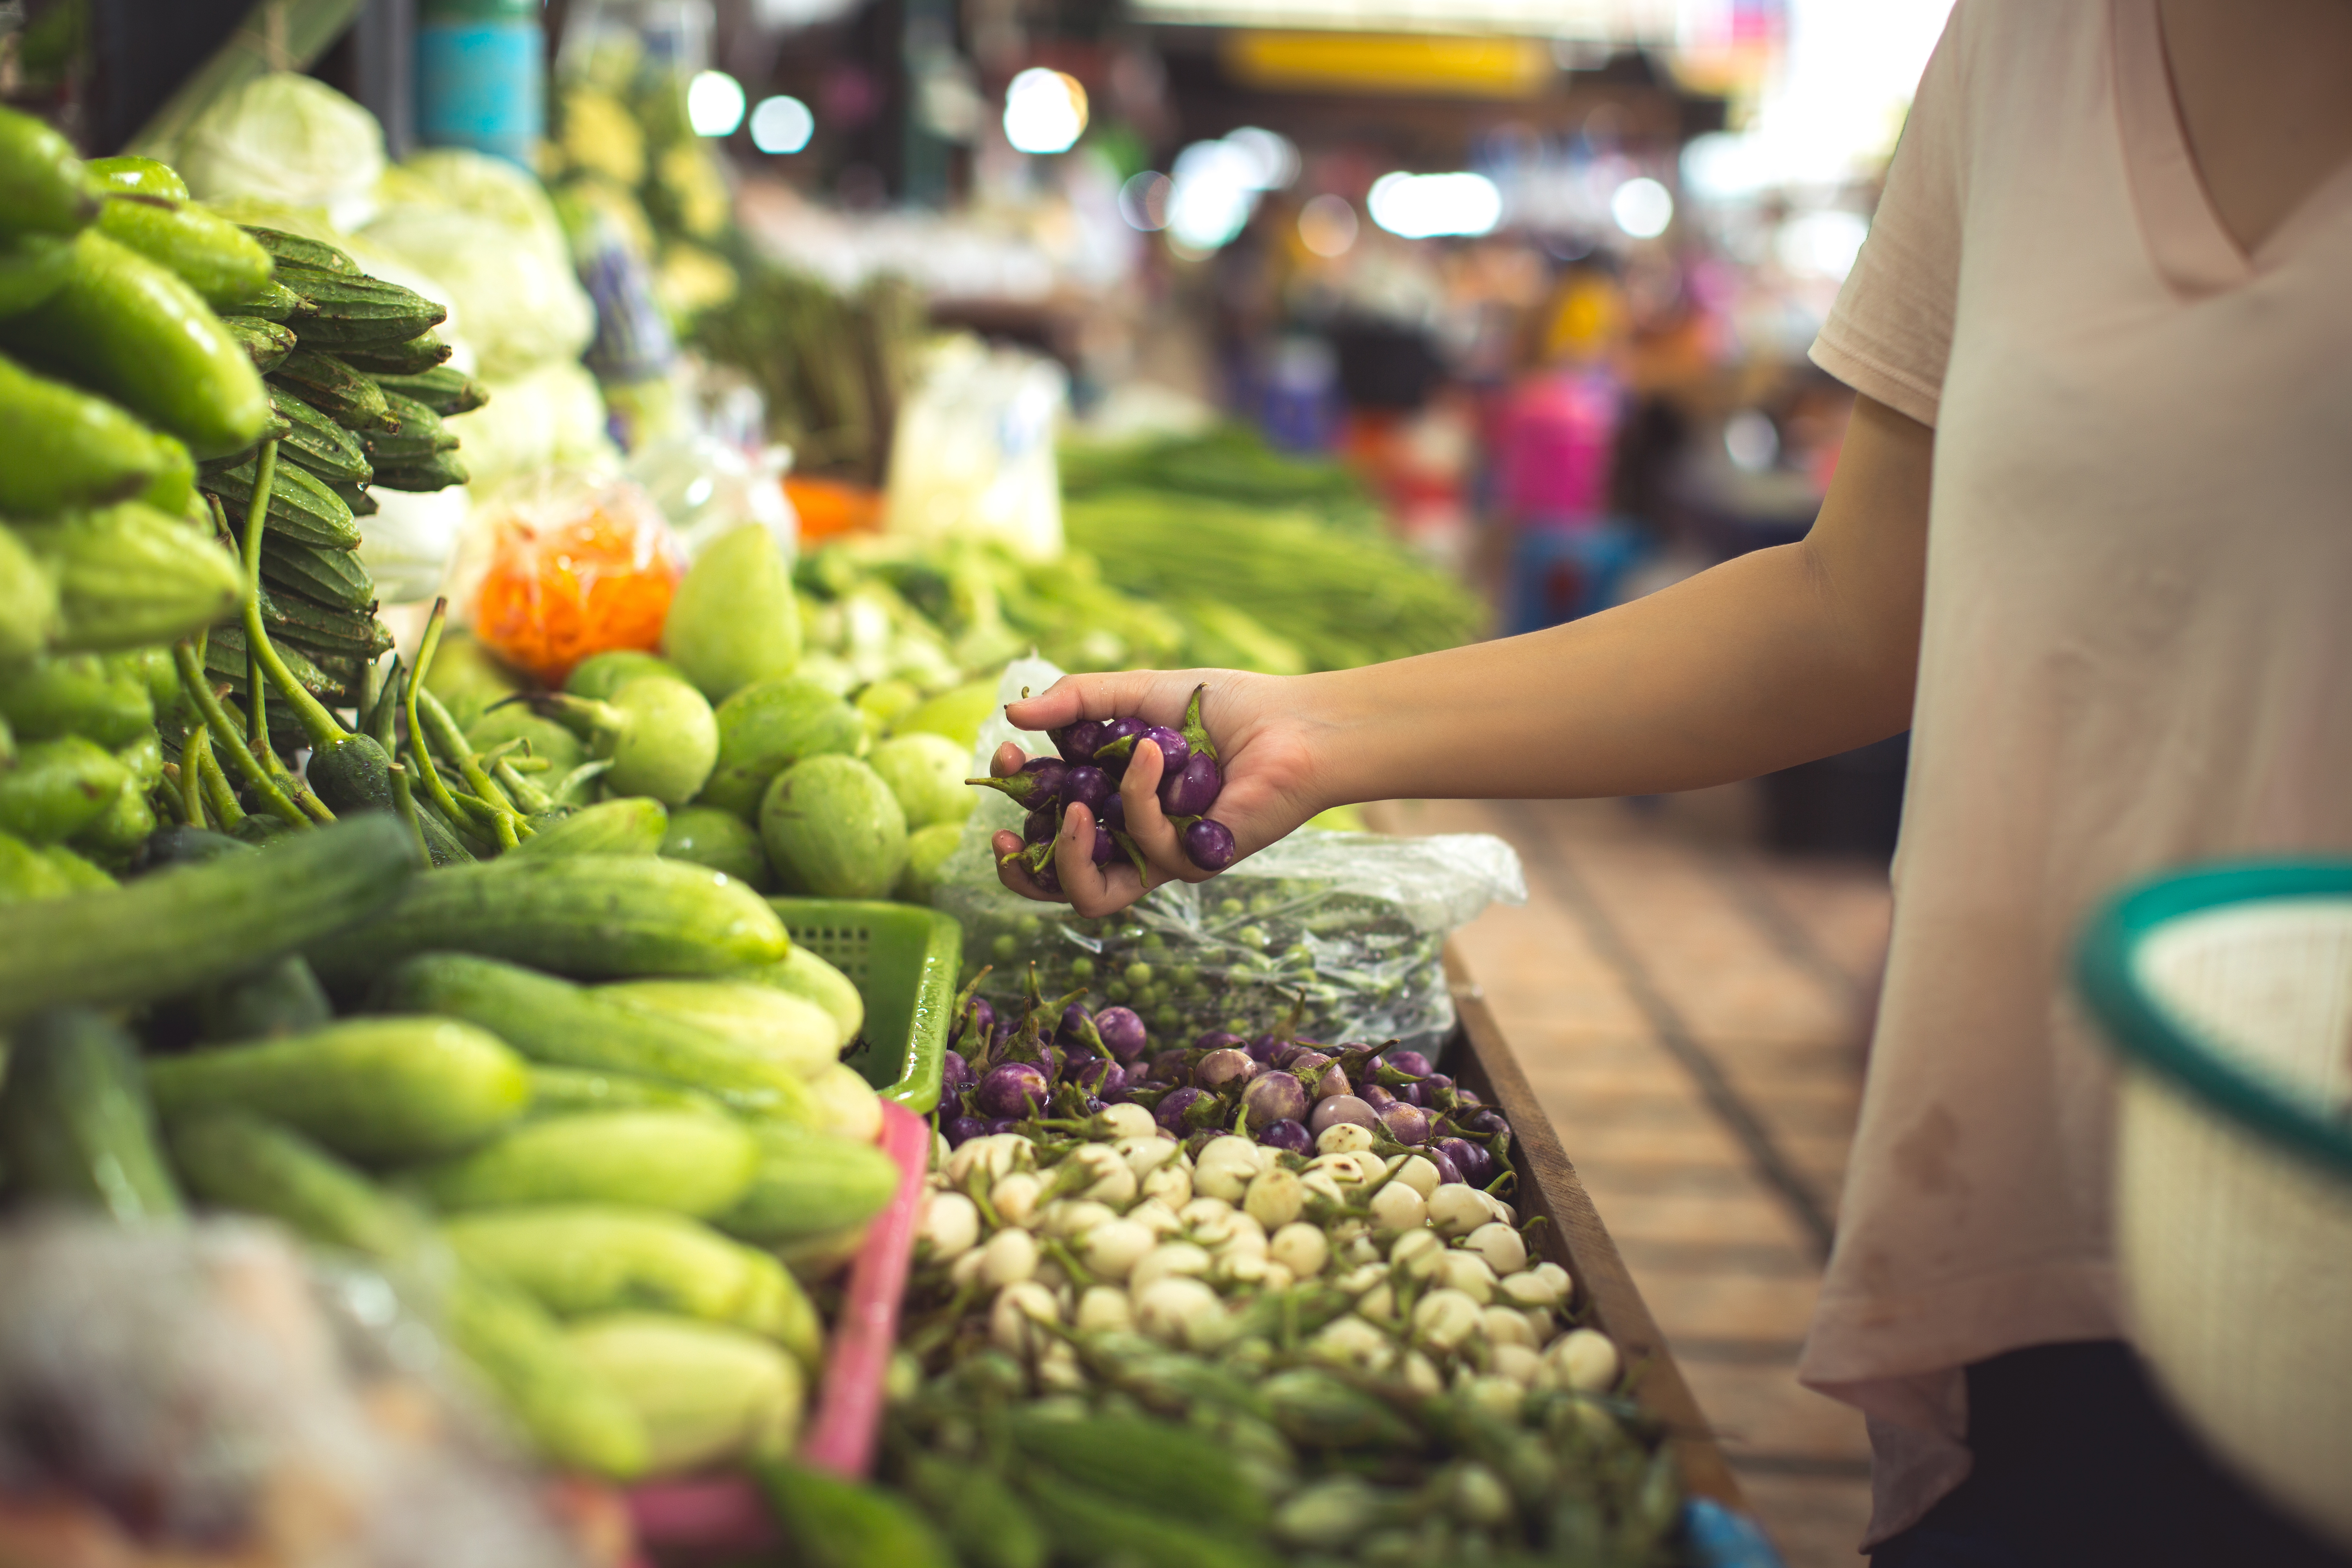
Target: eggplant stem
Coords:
[[220, 796], [321, 726], [256, 722], [225, 736], [192, 797], [437, 791], [527, 795], [296, 790], [450, 741], [404, 800]]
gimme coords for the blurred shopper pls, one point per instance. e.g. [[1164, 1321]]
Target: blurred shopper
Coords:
[[2088, 539]]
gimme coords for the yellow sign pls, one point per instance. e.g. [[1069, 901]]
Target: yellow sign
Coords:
[[1403, 64]]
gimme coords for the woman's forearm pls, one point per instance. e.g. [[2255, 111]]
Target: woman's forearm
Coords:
[[1767, 660]]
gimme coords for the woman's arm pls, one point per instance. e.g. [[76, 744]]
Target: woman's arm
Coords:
[[1771, 660]]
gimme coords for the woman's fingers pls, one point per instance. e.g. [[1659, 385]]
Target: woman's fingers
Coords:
[[1006, 762], [1093, 889], [1076, 697], [1147, 823]]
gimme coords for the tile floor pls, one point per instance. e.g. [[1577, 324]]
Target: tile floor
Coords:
[[1693, 1013]]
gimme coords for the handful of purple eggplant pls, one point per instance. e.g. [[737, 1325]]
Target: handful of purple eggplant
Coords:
[[1060, 1063], [1093, 761]]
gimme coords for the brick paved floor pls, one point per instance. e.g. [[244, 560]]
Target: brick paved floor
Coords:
[[1693, 1013]]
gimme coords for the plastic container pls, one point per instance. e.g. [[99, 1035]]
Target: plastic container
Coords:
[[902, 958], [481, 77], [2229, 993]]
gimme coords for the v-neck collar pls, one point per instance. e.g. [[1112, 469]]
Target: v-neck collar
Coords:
[[2190, 246]]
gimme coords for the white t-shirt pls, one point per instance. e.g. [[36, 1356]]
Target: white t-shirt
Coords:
[[2136, 653]]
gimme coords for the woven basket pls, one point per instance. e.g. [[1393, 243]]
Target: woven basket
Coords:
[[2229, 992]]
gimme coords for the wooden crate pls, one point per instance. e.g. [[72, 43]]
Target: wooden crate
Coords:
[[1480, 1059]]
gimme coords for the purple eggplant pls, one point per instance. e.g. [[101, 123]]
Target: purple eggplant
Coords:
[[1436, 1082], [1122, 1032], [955, 1075], [1013, 1090], [1038, 782], [1172, 1067], [1274, 1097], [1088, 786], [1220, 1068], [1447, 1171], [1310, 1065], [1411, 1063], [1105, 849], [1485, 1122], [1112, 746], [1210, 845], [1289, 1136], [1192, 789], [1267, 1048], [1333, 1083], [1102, 1078], [1477, 1165], [1169, 1112], [1343, 1108], [1073, 1027], [1467, 1099], [1040, 825], [1406, 1123], [1005, 1125], [1380, 1098], [1077, 740], [979, 1020], [1218, 1040], [959, 1131], [1113, 815], [1004, 1029]]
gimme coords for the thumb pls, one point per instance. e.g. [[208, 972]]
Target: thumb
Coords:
[[1076, 697]]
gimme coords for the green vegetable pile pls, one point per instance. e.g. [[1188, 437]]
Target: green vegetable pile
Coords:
[[1209, 1352]]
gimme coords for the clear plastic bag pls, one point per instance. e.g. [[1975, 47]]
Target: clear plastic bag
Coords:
[[1347, 925]]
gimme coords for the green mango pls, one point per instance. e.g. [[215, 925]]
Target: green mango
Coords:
[[720, 840], [562, 748], [467, 677], [765, 729], [734, 619], [927, 773], [957, 714], [833, 829]]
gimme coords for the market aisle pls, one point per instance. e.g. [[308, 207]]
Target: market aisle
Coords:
[[1693, 1012]]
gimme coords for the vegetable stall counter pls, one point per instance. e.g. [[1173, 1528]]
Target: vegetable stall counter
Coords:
[[1716, 1517]]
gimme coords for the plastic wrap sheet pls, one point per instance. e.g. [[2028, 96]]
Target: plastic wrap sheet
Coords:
[[1349, 923]]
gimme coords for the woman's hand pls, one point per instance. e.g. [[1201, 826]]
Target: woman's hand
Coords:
[[1265, 751]]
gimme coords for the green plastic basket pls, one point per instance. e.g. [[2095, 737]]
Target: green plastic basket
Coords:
[[902, 959], [2228, 989]]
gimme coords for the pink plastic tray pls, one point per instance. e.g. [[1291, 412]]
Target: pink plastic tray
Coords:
[[726, 1514]]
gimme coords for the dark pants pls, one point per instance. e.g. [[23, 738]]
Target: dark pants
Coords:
[[2079, 1464]]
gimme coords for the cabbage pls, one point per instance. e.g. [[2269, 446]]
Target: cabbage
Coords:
[[289, 138], [486, 232], [553, 415]]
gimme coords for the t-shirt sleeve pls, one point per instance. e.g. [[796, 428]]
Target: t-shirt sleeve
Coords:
[[1890, 332]]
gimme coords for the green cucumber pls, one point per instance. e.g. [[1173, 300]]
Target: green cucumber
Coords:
[[57, 788], [43, 186], [136, 176], [101, 698], [591, 917], [67, 448], [128, 328], [423, 476], [634, 826], [369, 1088], [128, 576], [789, 1030], [444, 389], [336, 578], [985, 1519], [410, 356], [294, 250], [1091, 1528], [211, 255], [301, 508], [333, 388], [32, 267], [275, 302], [553, 1021], [571, 1411], [317, 443], [30, 619], [579, 1258], [179, 928], [421, 438], [235, 1160], [560, 1092], [284, 998], [681, 1161], [808, 1185], [363, 310], [1156, 1466], [75, 1124], [804, 974], [706, 1394], [265, 344], [836, 1523]]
